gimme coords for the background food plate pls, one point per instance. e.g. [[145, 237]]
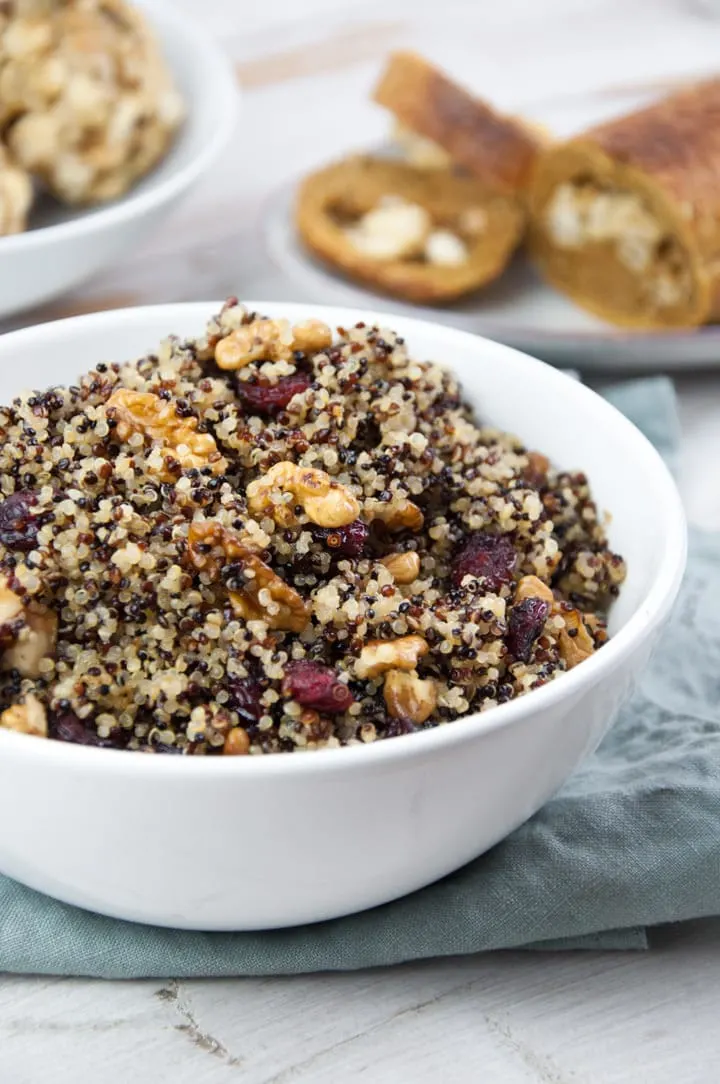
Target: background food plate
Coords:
[[518, 310]]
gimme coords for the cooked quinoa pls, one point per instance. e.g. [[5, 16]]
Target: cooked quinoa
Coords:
[[275, 538]]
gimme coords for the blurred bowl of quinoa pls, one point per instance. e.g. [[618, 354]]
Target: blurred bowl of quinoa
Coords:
[[111, 111]]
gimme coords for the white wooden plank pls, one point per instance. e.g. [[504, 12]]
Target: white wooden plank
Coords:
[[514, 1017]]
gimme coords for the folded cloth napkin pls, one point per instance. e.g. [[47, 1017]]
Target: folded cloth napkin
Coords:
[[633, 839]]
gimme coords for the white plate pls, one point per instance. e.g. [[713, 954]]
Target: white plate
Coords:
[[65, 246], [519, 310]]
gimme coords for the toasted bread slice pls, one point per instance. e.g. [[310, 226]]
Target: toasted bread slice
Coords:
[[498, 150], [626, 217], [424, 236]]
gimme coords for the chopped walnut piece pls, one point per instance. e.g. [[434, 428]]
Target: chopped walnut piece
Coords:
[[325, 502], [262, 340], [597, 627], [408, 696], [210, 546], [145, 413], [36, 641], [270, 340], [311, 336], [403, 567], [398, 514], [380, 655], [237, 743], [576, 643], [265, 596], [26, 718], [29, 632], [532, 587], [11, 605]]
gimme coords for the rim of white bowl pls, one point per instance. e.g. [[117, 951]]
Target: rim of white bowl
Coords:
[[202, 51], [638, 628]]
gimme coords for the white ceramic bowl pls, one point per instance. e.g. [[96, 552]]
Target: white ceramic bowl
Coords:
[[242, 843], [69, 245]]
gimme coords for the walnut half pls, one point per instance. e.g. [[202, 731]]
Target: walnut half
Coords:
[[380, 655], [398, 514], [576, 643], [26, 718], [265, 596], [145, 413], [270, 340], [325, 502], [408, 696], [403, 567], [29, 632], [36, 641], [532, 587]]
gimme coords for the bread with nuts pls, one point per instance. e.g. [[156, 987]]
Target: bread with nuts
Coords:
[[437, 118], [428, 236], [626, 216]]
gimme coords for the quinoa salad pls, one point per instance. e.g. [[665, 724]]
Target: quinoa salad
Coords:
[[281, 537]]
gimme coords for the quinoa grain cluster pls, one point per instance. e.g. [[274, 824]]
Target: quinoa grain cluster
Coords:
[[276, 538]]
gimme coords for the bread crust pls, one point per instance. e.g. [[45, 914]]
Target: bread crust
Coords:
[[498, 150]]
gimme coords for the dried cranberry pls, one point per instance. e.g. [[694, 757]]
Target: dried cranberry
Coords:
[[244, 698], [67, 726], [271, 398], [347, 541], [316, 686], [18, 527], [489, 557], [525, 625]]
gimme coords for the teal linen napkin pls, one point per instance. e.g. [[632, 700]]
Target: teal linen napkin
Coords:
[[632, 840]]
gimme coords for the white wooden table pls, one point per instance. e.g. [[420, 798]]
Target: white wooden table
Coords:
[[512, 1018]]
